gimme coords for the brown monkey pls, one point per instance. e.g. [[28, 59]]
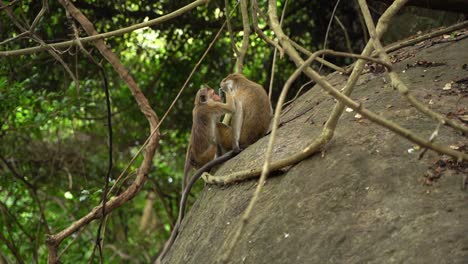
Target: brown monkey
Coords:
[[253, 111], [208, 136]]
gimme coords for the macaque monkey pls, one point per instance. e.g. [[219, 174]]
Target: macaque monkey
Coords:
[[209, 137], [248, 102], [252, 113]]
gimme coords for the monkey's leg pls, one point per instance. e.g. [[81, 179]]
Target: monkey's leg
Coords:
[[237, 127]]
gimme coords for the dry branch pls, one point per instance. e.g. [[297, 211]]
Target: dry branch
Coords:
[[229, 26], [245, 38], [396, 81], [114, 33], [53, 241], [254, 10]]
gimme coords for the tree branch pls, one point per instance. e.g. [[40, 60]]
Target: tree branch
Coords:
[[53, 241], [245, 38], [113, 33]]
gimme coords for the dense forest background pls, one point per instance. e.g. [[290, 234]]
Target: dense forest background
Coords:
[[54, 146]]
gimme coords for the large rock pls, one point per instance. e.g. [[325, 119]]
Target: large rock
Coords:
[[367, 198]]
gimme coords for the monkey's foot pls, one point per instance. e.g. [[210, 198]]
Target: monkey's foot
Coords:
[[207, 177]]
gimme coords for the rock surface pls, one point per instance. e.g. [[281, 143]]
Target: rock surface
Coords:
[[367, 199]]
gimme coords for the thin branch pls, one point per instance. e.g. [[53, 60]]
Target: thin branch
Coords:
[[267, 163], [32, 190], [361, 21], [12, 247], [114, 33], [245, 38], [229, 26], [396, 81], [324, 46], [183, 201], [9, 4], [195, 68], [36, 38], [159, 193], [53, 241], [309, 53], [296, 96], [209, 165], [429, 35], [273, 64], [44, 8], [274, 44], [345, 32]]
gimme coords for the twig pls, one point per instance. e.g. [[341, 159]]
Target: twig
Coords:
[[36, 38], [312, 147], [342, 97], [9, 4], [309, 53], [113, 33], [12, 247], [345, 32], [254, 10], [32, 190], [195, 68], [273, 64], [109, 126], [429, 35], [53, 241], [361, 21], [297, 95], [44, 8], [324, 46], [396, 81], [159, 193], [245, 38], [229, 26]]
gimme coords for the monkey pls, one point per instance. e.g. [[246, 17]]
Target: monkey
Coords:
[[248, 102], [252, 113], [209, 137]]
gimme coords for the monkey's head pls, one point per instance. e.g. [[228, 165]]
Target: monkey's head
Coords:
[[232, 81], [205, 96]]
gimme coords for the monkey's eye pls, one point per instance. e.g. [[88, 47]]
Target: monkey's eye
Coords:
[[202, 98]]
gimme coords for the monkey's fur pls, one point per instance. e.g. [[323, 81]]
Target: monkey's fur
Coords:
[[207, 132], [252, 113]]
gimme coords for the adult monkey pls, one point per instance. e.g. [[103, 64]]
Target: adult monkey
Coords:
[[252, 110]]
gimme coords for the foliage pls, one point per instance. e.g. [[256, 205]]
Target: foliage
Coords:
[[54, 136]]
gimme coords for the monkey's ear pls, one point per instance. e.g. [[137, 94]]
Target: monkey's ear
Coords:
[[203, 98]]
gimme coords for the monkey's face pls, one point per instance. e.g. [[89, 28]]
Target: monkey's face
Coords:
[[205, 96]]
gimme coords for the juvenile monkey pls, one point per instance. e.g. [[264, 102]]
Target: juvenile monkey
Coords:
[[208, 135], [252, 113]]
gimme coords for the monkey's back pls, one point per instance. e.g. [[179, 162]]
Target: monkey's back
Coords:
[[257, 113], [202, 149]]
